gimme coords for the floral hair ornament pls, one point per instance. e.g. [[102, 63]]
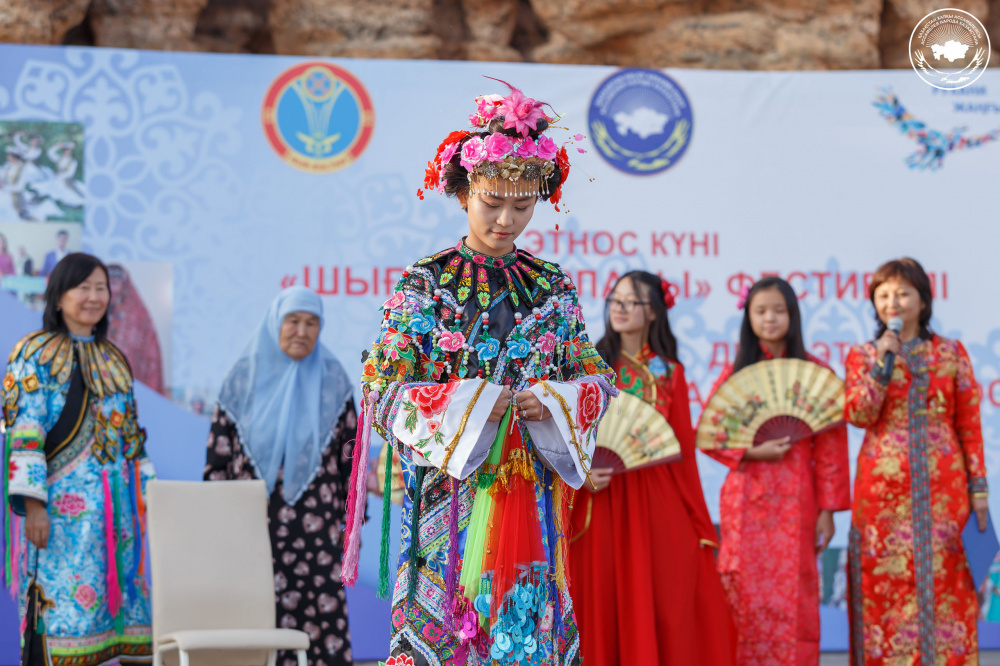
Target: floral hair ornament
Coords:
[[744, 295], [668, 295], [499, 162]]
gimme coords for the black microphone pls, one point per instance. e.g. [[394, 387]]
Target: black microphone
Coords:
[[895, 325]]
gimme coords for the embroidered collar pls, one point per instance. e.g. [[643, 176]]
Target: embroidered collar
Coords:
[[518, 275], [104, 368]]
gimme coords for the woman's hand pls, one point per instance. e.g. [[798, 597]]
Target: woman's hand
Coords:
[[36, 523], [824, 530], [530, 407], [600, 478], [772, 450], [501, 405], [981, 506], [889, 342]]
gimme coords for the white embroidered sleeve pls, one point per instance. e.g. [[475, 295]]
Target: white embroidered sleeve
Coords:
[[565, 442], [447, 424]]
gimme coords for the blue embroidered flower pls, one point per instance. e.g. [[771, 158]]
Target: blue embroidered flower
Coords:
[[421, 323], [657, 367], [518, 347], [37, 475], [488, 349]]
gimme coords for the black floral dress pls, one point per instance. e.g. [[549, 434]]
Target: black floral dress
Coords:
[[305, 538]]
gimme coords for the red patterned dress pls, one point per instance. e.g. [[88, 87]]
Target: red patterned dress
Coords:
[[642, 564], [768, 513], [912, 600]]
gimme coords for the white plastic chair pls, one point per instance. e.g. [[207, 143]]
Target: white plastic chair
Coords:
[[213, 579]]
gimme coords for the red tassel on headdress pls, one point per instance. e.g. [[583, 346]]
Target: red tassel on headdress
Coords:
[[514, 543]]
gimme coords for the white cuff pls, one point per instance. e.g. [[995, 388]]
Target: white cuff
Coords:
[[558, 441], [447, 424]]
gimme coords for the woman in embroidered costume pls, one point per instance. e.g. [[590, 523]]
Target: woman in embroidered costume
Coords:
[[484, 380], [642, 563], [920, 474], [777, 504], [287, 398], [76, 470]]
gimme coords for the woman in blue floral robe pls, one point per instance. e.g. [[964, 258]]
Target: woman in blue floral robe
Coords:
[[76, 478]]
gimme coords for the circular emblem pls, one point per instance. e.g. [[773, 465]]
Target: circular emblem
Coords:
[[640, 121], [318, 117], [949, 49]]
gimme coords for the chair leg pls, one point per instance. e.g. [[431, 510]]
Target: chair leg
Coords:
[[272, 657], [157, 657], [303, 660], [183, 657]]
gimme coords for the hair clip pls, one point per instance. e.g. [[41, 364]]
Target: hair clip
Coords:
[[744, 294]]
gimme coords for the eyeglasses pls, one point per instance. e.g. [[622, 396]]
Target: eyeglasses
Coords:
[[626, 306]]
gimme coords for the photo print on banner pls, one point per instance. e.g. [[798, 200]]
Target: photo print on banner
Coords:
[[42, 196]]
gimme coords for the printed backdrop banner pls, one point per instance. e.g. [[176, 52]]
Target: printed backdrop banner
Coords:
[[249, 173]]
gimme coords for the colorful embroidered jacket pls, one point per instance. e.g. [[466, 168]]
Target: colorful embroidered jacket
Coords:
[[912, 599], [90, 481], [459, 328]]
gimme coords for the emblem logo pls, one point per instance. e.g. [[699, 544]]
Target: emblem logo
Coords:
[[640, 121], [949, 49], [318, 117]]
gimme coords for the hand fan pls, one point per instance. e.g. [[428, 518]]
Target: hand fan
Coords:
[[632, 435], [785, 397]]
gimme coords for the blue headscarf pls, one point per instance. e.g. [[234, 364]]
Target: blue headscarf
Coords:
[[285, 410]]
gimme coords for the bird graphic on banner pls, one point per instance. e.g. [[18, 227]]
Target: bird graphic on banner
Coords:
[[934, 145]]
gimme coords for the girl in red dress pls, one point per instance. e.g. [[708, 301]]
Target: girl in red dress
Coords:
[[642, 565], [777, 504]]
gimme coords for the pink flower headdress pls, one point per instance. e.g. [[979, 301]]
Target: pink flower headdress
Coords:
[[504, 152]]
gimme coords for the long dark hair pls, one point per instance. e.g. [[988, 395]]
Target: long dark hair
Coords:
[[661, 338], [750, 351], [910, 270], [69, 273]]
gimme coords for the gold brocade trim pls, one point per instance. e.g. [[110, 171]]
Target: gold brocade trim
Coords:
[[586, 523], [708, 542], [548, 390], [461, 426]]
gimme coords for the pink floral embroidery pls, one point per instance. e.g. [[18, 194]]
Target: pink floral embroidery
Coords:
[[527, 149], [86, 596], [451, 342], [547, 343], [394, 301], [70, 504], [433, 426]]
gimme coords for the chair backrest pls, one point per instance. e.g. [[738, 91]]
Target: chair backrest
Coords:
[[210, 555]]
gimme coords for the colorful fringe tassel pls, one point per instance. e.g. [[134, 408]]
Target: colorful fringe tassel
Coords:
[[418, 489], [383, 555], [111, 543], [356, 493]]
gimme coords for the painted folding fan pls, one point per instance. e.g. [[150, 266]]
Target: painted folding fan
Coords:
[[633, 435], [784, 397]]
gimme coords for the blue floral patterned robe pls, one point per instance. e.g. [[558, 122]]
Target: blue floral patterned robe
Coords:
[[104, 458]]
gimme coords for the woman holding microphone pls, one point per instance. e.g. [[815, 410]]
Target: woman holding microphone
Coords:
[[919, 475]]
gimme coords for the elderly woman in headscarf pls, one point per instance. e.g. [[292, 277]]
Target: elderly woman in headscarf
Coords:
[[286, 415]]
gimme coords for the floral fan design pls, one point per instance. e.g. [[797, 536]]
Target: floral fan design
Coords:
[[784, 397], [633, 435]]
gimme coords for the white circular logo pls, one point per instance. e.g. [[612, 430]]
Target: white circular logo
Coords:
[[949, 49]]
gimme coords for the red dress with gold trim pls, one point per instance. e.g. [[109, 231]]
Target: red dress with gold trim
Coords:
[[912, 599], [767, 515], [642, 564]]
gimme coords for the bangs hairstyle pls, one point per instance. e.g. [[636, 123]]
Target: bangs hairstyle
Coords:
[[456, 176], [68, 274], [648, 288], [910, 270], [750, 351]]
